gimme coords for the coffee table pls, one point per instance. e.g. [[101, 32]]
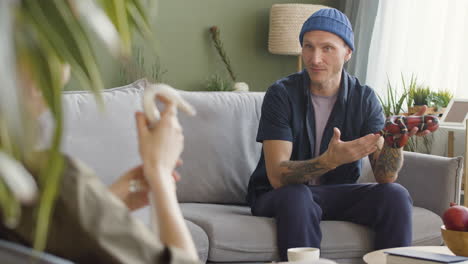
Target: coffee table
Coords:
[[379, 257], [319, 261]]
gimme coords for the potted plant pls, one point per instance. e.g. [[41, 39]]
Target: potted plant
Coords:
[[444, 96], [393, 105], [216, 82], [418, 97], [40, 38], [439, 100]]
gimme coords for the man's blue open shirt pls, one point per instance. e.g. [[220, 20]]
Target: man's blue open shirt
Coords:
[[287, 114]]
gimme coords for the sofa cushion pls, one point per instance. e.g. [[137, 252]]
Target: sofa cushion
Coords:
[[366, 172], [236, 235], [104, 138], [199, 236], [220, 150], [435, 182]]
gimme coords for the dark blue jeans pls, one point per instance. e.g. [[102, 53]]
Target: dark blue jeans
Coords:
[[298, 210]]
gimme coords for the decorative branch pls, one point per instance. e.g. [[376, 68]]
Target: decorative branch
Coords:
[[214, 30]]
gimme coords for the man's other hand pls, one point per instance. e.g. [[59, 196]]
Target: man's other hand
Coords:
[[415, 130]]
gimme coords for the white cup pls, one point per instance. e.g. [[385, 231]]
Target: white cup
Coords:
[[303, 254]]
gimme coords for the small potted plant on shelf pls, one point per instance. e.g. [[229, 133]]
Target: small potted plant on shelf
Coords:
[[418, 97], [435, 101], [439, 100]]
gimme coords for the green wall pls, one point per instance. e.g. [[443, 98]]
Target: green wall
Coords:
[[187, 55]]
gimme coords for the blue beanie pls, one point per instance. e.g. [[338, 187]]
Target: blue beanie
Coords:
[[331, 20]]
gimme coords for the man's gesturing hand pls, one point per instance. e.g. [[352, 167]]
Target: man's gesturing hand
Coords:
[[341, 152]]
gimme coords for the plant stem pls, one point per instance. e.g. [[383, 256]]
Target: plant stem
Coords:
[[219, 47]]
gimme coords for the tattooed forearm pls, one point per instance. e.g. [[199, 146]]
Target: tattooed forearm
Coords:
[[373, 157], [388, 164], [303, 171]]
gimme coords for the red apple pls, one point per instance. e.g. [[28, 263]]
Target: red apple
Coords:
[[456, 218]]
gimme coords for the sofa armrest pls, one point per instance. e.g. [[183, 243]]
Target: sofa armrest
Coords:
[[433, 181]]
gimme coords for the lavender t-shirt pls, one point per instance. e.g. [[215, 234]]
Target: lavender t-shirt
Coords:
[[323, 105]]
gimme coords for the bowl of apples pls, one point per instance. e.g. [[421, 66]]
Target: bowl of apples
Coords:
[[455, 229]]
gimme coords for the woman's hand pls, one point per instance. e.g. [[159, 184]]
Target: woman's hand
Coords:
[[139, 197], [121, 188], [160, 146]]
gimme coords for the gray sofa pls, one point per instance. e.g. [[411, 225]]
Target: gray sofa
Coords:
[[220, 154]]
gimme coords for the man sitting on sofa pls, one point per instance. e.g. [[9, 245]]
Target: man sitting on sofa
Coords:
[[316, 126]]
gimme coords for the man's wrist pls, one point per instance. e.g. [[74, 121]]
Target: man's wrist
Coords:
[[385, 145], [327, 162]]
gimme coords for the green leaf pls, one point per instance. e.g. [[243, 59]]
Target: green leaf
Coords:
[[61, 40], [140, 22], [122, 24], [48, 34], [10, 206]]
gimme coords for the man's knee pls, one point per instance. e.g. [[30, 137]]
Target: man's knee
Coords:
[[293, 192], [394, 194], [295, 197], [295, 201], [393, 190]]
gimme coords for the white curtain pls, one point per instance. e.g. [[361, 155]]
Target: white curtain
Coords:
[[362, 14], [427, 38]]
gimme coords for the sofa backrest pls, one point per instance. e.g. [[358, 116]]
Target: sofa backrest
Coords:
[[103, 137], [220, 149], [366, 172]]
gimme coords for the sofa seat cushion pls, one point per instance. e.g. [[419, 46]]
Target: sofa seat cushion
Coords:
[[426, 228], [235, 235], [199, 236]]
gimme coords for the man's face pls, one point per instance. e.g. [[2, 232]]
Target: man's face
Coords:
[[324, 55]]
